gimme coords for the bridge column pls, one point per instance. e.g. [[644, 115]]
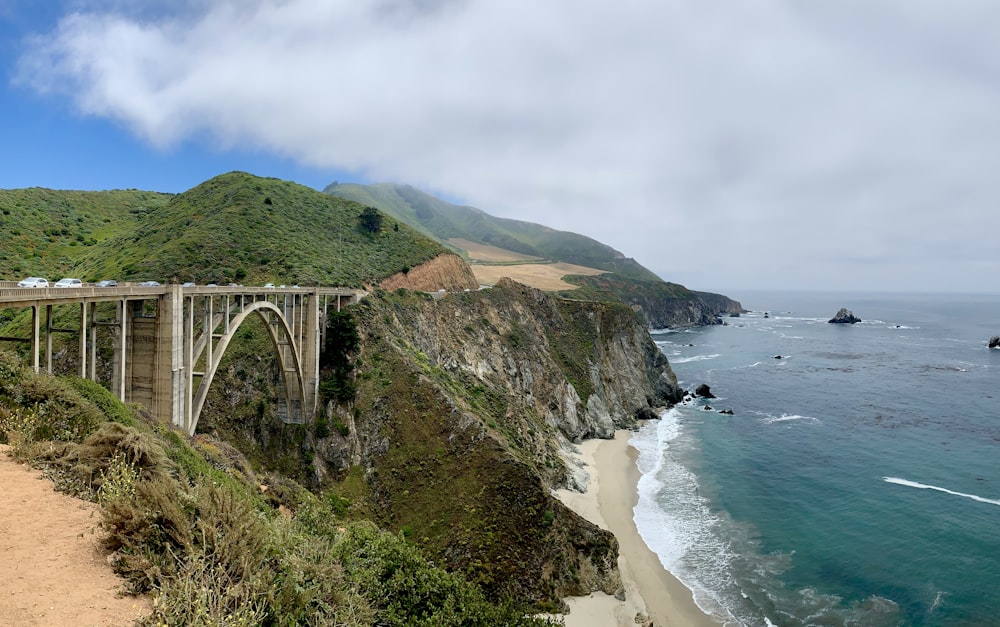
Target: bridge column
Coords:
[[36, 333], [92, 353], [121, 342], [310, 354], [48, 339], [83, 340], [170, 374]]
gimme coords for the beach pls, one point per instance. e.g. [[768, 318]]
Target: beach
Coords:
[[650, 590]]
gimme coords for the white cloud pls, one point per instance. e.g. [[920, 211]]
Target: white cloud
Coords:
[[720, 142]]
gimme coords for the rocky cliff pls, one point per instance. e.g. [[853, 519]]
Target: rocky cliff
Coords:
[[445, 272], [463, 409], [661, 304]]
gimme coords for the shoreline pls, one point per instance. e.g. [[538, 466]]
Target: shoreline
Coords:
[[650, 589]]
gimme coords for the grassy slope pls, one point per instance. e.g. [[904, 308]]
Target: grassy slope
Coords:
[[444, 220], [243, 228], [189, 521], [662, 303], [45, 232]]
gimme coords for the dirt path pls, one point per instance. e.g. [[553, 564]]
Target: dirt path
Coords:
[[52, 571]]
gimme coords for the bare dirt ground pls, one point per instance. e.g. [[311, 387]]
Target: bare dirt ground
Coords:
[[52, 570], [543, 276], [485, 252]]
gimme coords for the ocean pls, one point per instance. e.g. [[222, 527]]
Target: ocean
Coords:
[[857, 481]]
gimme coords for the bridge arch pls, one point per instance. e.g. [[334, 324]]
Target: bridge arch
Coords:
[[283, 341]]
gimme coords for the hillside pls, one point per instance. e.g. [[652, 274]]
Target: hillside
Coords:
[[242, 228], [445, 421], [557, 261], [46, 232], [445, 221]]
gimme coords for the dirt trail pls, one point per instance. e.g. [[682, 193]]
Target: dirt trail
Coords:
[[52, 570]]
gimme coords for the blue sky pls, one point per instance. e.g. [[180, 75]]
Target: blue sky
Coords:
[[724, 144], [60, 147]]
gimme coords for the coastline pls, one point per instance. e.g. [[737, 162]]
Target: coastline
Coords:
[[650, 590]]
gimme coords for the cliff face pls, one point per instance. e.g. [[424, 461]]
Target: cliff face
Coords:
[[583, 368], [702, 310], [445, 272], [661, 304], [463, 409]]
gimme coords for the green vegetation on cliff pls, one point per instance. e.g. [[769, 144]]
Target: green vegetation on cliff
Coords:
[[457, 463], [189, 521]]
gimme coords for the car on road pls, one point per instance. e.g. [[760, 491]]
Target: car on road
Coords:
[[148, 284], [67, 282], [188, 284], [34, 281], [269, 285], [107, 283]]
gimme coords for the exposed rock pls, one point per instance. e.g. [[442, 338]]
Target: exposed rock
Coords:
[[995, 341], [727, 412], [664, 305], [476, 396], [845, 316], [703, 391], [444, 272]]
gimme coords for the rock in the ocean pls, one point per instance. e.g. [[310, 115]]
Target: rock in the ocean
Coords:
[[703, 391], [995, 341], [845, 316]]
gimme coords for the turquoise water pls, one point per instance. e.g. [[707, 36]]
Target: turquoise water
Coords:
[[857, 481]]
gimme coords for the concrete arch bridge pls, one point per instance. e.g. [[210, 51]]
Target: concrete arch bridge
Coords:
[[169, 340]]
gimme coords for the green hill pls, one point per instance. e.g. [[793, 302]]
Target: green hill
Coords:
[[444, 221], [46, 232], [234, 227], [663, 304]]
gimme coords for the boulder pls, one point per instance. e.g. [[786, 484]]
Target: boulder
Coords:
[[995, 341], [703, 391], [845, 316]]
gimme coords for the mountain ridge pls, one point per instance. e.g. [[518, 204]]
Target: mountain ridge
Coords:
[[662, 303]]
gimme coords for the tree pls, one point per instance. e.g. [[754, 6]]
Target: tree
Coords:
[[370, 220]]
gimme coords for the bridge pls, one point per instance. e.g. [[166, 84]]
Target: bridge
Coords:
[[169, 340]]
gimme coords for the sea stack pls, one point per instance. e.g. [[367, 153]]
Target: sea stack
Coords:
[[845, 316], [704, 391], [994, 342]]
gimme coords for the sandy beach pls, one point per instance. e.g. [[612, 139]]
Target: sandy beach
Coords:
[[650, 590]]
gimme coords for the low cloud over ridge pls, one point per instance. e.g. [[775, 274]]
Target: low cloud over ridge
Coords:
[[767, 144]]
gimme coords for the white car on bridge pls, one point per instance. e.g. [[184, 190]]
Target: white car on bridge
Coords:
[[69, 283], [34, 281]]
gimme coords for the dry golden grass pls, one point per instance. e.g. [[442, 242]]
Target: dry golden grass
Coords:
[[543, 276], [487, 253]]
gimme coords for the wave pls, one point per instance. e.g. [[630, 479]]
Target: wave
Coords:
[[924, 486], [680, 534], [684, 360], [663, 331], [786, 418]]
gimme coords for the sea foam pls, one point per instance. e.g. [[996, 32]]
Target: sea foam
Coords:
[[924, 486], [684, 360], [675, 521]]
